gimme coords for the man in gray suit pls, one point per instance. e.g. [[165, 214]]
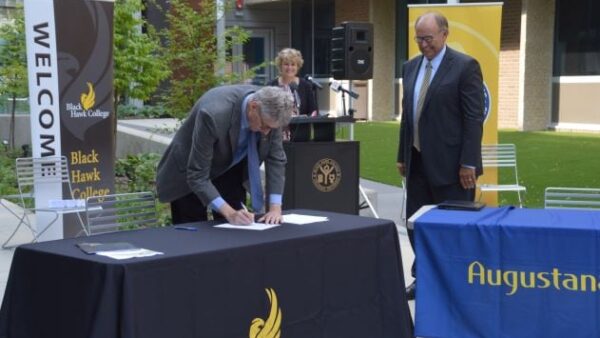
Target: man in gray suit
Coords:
[[442, 122], [206, 164]]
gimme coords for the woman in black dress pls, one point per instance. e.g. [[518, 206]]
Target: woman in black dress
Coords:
[[289, 61]]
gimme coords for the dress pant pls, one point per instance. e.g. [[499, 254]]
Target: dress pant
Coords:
[[420, 192], [189, 208]]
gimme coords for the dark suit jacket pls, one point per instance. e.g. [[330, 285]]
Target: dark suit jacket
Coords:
[[204, 146], [451, 123]]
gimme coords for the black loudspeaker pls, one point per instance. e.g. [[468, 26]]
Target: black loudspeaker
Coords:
[[352, 51]]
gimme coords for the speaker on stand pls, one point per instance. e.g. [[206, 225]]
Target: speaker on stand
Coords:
[[352, 51], [352, 59]]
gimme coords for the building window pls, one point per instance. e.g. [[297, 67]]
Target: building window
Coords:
[[312, 21], [577, 38]]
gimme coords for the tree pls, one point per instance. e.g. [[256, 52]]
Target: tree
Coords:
[[193, 53], [138, 69], [13, 65]]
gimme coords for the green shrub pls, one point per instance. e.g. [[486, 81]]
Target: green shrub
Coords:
[[8, 178], [138, 173]]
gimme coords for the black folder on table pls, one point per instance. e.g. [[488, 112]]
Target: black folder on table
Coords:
[[461, 205], [92, 248]]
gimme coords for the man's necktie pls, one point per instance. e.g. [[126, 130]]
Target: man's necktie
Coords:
[[254, 173], [420, 100]]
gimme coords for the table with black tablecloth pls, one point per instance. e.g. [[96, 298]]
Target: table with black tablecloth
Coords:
[[340, 278]]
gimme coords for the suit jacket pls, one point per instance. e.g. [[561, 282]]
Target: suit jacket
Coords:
[[204, 146], [451, 122]]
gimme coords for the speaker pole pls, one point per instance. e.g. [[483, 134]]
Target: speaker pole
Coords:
[[351, 137], [316, 97]]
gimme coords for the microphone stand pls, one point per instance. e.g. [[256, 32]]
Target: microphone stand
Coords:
[[315, 96], [351, 138], [344, 113]]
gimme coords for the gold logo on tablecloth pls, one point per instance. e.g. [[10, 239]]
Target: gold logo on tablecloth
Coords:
[[270, 328], [326, 175]]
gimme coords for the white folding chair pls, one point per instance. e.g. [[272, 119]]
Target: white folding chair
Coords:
[[43, 173], [503, 157], [572, 198], [120, 212]]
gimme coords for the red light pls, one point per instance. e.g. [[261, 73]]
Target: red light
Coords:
[[239, 4]]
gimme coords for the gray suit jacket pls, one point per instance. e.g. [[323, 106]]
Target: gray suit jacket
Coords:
[[451, 123], [204, 145]]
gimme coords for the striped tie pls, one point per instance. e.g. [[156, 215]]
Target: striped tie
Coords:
[[420, 100]]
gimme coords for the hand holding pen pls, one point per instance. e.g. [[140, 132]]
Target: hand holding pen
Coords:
[[244, 216], [236, 217]]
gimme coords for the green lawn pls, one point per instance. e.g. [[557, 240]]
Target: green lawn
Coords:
[[544, 158]]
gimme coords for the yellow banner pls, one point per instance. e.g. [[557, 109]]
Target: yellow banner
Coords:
[[474, 30]]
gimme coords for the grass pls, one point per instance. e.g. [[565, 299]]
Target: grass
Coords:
[[544, 159]]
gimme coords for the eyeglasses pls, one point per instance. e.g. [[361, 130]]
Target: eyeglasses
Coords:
[[264, 127], [426, 38]]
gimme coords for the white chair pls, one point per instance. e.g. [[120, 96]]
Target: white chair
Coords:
[[43, 173], [503, 157], [571, 198], [120, 212]]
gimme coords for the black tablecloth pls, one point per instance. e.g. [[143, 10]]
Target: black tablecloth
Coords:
[[342, 278]]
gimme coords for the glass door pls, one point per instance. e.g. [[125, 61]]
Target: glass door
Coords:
[[257, 51]]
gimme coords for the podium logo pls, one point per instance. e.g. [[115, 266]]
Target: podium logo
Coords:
[[326, 175], [88, 99], [271, 327]]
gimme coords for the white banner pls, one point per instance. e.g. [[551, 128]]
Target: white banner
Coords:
[[42, 67]]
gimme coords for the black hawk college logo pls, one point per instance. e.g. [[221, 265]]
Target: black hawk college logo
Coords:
[[326, 175], [271, 326]]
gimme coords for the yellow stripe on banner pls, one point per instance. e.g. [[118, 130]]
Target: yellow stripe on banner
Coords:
[[474, 30]]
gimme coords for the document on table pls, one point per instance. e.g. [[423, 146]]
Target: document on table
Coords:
[[303, 219], [253, 226], [290, 218], [129, 253]]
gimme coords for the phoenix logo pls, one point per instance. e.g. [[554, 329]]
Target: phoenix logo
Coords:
[[270, 328], [88, 99]]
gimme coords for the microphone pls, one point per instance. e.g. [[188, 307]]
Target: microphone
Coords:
[[312, 81], [336, 86], [294, 88]]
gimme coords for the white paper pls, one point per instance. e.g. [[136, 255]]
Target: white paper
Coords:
[[126, 254], [69, 204], [253, 226], [303, 219]]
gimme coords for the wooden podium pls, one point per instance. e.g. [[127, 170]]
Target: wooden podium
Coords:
[[321, 174]]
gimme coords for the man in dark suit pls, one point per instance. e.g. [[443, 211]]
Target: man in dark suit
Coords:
[[442, 122], [207, 163]]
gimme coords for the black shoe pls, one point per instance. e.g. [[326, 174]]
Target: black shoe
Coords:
[[410, 291]]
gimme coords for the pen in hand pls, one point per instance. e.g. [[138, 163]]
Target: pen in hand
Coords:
[[251, 215]]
